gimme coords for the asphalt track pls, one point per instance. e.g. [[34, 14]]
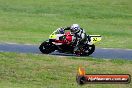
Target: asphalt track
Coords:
[[99, 52]]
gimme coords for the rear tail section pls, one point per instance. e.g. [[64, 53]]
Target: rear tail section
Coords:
[[95, 38]]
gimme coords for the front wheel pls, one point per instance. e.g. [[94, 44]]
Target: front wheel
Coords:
[[47, 47]]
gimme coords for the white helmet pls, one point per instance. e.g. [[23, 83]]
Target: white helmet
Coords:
[[75, 28]]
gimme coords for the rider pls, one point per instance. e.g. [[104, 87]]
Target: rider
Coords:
[[78, 32]]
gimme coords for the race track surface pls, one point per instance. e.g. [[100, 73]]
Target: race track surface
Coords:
[[99, 52]]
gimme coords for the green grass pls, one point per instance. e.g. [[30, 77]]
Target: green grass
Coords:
[[44, 71], [30, 21]]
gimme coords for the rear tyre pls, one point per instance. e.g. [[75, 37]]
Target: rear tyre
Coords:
[[90, 49], [86, 50], [47, 47]]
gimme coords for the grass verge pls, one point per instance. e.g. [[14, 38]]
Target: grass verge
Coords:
[[45, 71]]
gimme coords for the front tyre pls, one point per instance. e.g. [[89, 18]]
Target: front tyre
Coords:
[[47, 47]]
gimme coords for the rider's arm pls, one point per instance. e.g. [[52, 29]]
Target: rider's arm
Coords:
[[67, 28]]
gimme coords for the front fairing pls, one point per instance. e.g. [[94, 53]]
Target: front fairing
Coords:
[[54, 35]]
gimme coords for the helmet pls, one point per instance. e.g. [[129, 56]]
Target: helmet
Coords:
[[75, 28]]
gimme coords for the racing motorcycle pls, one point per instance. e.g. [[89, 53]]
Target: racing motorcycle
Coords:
[[66, 42]]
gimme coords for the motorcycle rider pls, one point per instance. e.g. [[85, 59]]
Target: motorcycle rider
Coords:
[[78, 32]]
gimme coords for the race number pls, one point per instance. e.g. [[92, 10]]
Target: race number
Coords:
[[94, 39]]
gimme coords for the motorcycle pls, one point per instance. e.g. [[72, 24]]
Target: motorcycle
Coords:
[[66, 42]]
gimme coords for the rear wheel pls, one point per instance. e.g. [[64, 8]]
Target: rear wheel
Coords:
[[89, 49], [85, 50], [47, 47]]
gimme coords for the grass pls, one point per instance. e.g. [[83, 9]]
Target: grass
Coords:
[[44, 71], [29, 21]]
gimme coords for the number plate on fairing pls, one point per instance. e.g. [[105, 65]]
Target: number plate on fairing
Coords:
[[95, 38]]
